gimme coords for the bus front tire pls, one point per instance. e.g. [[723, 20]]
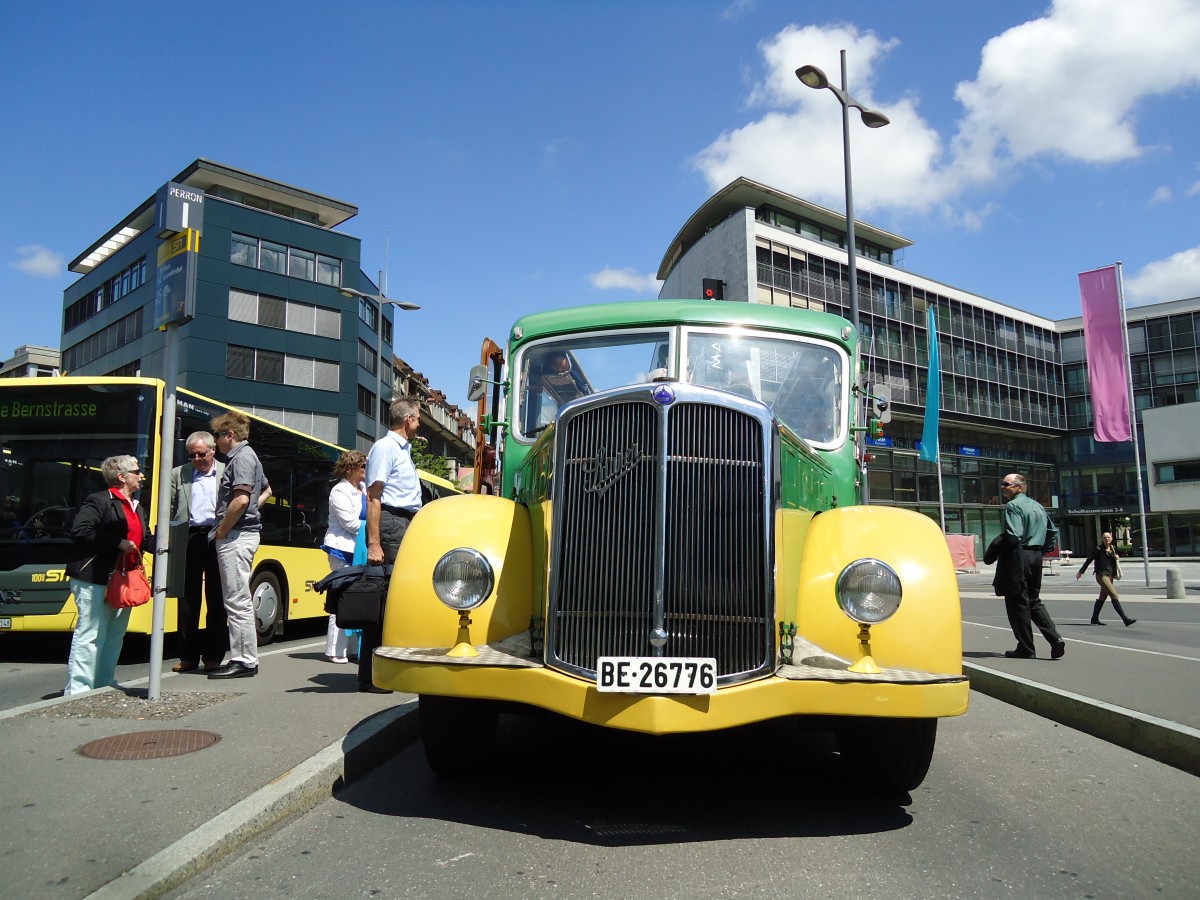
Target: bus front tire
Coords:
[[887, 755], [267, 596], [457, 732]]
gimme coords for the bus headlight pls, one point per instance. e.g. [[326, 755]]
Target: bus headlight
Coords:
[[463, 579], [868, 591]]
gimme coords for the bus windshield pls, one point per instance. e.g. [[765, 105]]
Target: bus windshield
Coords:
[[51, 445], [802, 381]]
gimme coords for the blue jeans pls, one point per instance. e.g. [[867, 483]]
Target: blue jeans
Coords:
[[96, 645]]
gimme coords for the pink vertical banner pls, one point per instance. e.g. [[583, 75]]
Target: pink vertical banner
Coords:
[[1108, 371]]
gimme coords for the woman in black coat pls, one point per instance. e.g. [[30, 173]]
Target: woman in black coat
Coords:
[[109, 523], [1104, 557]]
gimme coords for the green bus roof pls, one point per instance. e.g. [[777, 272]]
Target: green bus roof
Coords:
[[680, 312]]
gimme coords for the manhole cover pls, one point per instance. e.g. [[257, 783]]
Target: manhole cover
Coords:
[[149, 744]]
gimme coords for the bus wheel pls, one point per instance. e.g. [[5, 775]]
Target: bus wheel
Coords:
[[457, 732], [267, 597], [887, 755]]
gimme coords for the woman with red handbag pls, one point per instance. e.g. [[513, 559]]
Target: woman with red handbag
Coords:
[[110, 524]]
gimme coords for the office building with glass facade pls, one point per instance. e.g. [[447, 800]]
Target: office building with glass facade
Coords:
[[270, 334], [1007, 402]]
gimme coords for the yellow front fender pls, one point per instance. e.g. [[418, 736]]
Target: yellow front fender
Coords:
[[498, 529], [925, 633]]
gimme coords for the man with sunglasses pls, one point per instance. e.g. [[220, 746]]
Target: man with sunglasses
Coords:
[[1028, 534], [193, 515]]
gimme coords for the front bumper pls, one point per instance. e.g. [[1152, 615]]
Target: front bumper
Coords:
[[819, 686]]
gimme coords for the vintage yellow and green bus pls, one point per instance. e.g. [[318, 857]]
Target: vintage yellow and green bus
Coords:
[[677, 541], [55, 432]]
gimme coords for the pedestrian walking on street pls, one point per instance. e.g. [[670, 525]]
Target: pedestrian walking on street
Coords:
[[1108, 569], [393, 498], [1028, 535]]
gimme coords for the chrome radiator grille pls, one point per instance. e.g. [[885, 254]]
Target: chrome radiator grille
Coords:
[[661, 525]]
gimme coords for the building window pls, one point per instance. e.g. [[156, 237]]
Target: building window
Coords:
[[302, 264], [1170, 473], [118, 334], [244, 251], [290, 315], [322, 426], [329, 270], [367, 358], [273, 258], [283, 260], [124, 282], [368, 312], [366, 401], [272, 367]]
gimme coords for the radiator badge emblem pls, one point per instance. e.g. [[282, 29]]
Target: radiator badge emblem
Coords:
[[664, 394], [605, 469]]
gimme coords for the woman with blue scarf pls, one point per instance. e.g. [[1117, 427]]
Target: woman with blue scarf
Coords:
[[347, 511]]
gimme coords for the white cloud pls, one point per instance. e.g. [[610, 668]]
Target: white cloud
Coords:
[[608, 279], [1160, 196], [39, 261], [1069, 83], [1194, 189], [738, 8], [1066, 85], [1175, 278]]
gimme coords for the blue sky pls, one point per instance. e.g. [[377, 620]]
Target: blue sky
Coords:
[[508, 157]]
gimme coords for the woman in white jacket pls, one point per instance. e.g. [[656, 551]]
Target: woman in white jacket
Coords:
[[347, 508]]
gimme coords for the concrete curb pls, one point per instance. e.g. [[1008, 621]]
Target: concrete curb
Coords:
[[294, 792], [1158, 739]]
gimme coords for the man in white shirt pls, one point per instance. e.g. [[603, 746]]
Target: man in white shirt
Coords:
[[393, 498], [194, 504]]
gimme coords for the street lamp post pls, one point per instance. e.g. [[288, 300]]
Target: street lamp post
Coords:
[[380, 301], [815, 78]]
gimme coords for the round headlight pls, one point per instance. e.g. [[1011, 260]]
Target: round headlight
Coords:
[[868, 591], [463, 579]]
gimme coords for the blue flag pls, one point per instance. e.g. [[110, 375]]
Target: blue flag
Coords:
[[933, 395]]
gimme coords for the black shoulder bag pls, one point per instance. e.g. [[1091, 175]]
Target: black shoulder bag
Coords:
[[361, 602]]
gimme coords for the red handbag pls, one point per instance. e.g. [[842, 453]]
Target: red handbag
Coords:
[[127, 585]]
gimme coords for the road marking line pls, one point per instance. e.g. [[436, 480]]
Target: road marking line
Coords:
[[1097, 644]]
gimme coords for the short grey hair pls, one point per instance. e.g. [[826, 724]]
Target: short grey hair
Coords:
[[115, 466], [201, 437], [403, 406]]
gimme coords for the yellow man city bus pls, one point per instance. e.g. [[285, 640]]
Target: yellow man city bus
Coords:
[[55, 432]]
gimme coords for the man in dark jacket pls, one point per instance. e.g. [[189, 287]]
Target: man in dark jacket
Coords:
[[1028, 534]]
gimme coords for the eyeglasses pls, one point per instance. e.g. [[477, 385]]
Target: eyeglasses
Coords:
[[133, 472], [199, 455], [1009, 484]]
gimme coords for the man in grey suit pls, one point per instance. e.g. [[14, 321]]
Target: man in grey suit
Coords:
[[194, 505]]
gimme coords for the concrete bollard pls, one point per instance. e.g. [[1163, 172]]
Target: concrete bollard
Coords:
[[1175, 588]]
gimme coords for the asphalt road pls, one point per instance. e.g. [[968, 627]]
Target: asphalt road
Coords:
[[1014, 806]]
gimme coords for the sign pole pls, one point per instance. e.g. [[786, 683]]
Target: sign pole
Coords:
[[1133, 429], [179, 216], [166, 461]]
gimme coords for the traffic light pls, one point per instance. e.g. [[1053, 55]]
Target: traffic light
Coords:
[[714, 289], [874, 429]]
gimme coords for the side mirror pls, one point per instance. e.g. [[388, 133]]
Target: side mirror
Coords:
[[477, 386], [881, 402]]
